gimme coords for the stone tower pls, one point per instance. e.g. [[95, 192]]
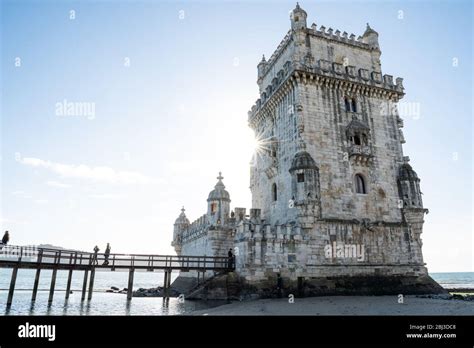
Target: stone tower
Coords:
[[336, 207], [331, 170], [330, 133]]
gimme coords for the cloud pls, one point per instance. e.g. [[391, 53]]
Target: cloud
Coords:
[[57, 184], [21, 194], [81, 171], [41, 201], [106, 196]]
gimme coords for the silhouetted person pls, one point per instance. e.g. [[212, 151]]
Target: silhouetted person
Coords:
[[94, 257], [6, 238], [279, 284], [230, 262], [107, 254]]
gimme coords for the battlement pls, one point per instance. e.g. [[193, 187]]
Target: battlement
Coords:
[[329, 34], [196, 229], [247, 229], [281, 46], [344, 38], [333, 70]]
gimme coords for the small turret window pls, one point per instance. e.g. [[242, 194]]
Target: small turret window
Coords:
[[300, 177], [360, 184], [274, 192], [213, 208]]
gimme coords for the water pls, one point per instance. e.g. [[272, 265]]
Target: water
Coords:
[[102, 303], [452, 280]]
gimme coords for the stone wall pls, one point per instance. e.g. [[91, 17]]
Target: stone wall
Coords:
[[263, 251]]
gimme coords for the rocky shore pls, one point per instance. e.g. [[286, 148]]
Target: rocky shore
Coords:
[[155, 292]]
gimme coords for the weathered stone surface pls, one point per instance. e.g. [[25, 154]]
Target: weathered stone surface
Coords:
[[336, 208]]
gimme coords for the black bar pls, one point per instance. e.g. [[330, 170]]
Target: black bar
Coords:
[[287, 330]]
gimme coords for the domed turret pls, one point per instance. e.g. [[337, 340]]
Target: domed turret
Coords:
[[180, 225], [262, 69], [409, 186], [305, 187], [219, 192], [371, 37], [218, 207], [182, 219], [406, 172], [298, 18], [302, 160], [305, 178]]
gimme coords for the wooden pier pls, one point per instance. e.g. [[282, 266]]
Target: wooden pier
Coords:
[[17, 257]]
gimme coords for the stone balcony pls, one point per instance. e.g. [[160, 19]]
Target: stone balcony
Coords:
[[361, 154]]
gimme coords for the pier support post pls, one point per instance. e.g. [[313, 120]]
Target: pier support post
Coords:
[[53, 285], [68, 285], [84, 285], [169, 279], [35, 285], [12, 286], [130, 284], [91, 284], [167, 283]]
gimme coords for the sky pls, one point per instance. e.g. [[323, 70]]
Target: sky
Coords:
[[116, 114]]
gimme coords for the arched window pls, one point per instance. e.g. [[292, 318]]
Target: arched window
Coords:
[[347, 104], [354, 105], [213, 208], [274, 192], [360, 184]]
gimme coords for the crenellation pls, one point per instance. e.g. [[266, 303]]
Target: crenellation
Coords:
[[336, 70]]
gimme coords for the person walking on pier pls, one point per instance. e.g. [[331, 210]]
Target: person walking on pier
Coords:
[[230, 263], [94, 257], [5, 239], [106, 255]]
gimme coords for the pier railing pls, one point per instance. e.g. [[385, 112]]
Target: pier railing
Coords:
[[28, 257], [20, 257]]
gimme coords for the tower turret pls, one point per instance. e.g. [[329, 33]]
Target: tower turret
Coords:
[[298, 18], [180, 225], [409, 186], [371, 37], [218, 203], [262, 69], [305, 187]]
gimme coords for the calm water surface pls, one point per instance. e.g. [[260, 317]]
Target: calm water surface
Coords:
[[103, 303]]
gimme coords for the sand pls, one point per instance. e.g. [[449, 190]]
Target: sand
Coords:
[[345, 305]]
